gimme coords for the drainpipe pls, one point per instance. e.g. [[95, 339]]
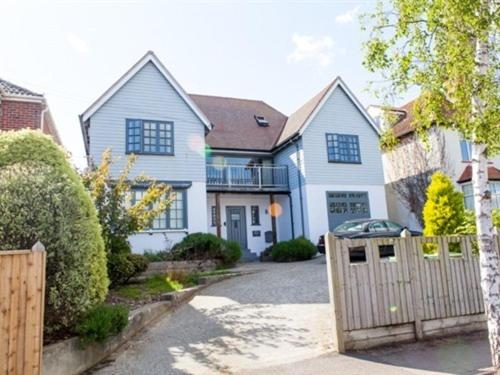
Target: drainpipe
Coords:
[[42, 115], [291, 214], [299, 180]]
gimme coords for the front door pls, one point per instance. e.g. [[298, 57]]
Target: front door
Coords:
[[236, 225], [346, 205]]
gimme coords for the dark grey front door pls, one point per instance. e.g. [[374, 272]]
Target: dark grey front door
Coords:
[[236, 225], [346, 205]]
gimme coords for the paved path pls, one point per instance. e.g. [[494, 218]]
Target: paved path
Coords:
[[277, 315], [275, 322]]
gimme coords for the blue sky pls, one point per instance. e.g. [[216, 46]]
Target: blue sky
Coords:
[[282, 52]]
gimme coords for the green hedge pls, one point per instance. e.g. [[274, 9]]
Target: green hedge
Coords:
[[42, 199], [293, 250]]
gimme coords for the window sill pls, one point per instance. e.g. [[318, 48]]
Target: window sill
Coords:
[[344, 162], [153, 231], [149, 153]]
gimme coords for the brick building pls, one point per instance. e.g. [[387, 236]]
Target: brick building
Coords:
[[22, 108]]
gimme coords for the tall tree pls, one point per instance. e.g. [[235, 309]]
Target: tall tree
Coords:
[[450, 49]]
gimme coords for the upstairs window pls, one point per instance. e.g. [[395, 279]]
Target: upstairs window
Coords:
[[466, 150], [150, 137], [343, 148]]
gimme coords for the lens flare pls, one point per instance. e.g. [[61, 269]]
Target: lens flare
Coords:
[[196, 144], [393, 309], [275, 209]]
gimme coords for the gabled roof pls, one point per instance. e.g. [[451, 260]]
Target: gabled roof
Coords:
[[234, 123], [9, 89], [147, 58], [493, 174], [300, 119]]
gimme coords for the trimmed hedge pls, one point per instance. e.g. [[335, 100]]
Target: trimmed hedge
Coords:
[[293, 250], [42, 198]]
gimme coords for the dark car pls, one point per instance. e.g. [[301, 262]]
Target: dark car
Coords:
[[366, 228]]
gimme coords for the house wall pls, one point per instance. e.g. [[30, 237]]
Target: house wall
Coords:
[[148, 95], [15, 115], [255, 244], [340, 115], [164, 239]]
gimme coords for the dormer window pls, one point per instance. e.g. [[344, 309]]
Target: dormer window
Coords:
[[261, 120]]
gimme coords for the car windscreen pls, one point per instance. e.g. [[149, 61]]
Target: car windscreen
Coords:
[[350, 227]]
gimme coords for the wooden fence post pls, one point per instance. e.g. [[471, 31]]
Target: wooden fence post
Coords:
[[412, 254], [334, 287]]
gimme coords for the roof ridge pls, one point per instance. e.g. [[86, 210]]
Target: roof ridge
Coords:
[[19, 88]]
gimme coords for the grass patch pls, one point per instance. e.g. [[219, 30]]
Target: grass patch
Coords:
[[151, 287]]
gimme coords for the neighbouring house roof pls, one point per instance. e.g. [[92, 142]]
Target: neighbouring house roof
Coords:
[[234, 123], [300, 119], [404, 125], [9, 89], [466, 176], [149, 57]]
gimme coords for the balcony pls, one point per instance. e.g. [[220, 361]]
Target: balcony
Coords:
[[242, 178]]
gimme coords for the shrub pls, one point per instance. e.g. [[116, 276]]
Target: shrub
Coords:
[[42, 198], [231, 253], [140, 263], [157, 256], [120, 269], [444, 208], [293, 250], [204, 246], [102, 322]]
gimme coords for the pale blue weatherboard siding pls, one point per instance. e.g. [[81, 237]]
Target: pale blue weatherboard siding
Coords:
[[340, 115], [288, 156], [148, 95]]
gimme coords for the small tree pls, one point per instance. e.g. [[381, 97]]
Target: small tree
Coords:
[[444, 209], [112, 196], [451, 50], [119, 216]]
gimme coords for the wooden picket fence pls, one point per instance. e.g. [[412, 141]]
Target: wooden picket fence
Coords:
[[406, 296], [22, 290]]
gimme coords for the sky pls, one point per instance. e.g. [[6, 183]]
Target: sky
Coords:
[[282, 52]]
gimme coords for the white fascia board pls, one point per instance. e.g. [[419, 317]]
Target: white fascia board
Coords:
[[340, 82], [148, 57]]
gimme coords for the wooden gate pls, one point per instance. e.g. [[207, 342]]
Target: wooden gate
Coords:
[[385, 297], [22, 290]]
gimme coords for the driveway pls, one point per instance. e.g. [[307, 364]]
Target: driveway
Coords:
[[277, 315]]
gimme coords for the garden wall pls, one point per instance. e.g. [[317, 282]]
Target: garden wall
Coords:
[[404, 297], [188, 266]]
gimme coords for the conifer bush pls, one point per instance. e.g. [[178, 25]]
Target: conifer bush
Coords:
[[43, 199]]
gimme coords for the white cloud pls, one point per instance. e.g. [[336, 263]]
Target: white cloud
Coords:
[[308, 47], [77, 43], [348, 16]]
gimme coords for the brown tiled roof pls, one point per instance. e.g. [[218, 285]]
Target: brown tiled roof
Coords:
[[300, 116], [493, 174], [234, 124], [8, 88], [404, 125]]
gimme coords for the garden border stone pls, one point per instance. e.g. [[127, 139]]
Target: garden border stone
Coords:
[[67, 358]]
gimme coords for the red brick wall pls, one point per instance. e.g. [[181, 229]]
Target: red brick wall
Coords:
[[17, 115]]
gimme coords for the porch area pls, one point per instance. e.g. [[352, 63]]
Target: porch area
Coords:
[[249, 219]]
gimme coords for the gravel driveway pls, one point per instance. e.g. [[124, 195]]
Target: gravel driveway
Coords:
[[275, 316]]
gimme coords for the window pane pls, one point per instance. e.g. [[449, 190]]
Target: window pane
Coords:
[[255, 215], [343, 148]]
